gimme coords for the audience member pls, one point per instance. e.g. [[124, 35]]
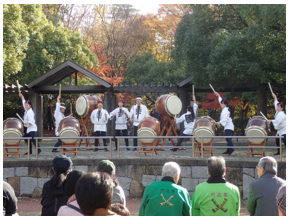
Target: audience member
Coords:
[[165, 197], [281, 201], [263, 191], [118, 193], [216, 196], [72, 208], [9, 200], [53, 196], [120, 209], [94, 192]]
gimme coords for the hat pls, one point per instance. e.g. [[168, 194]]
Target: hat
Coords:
[[138, 98], [281, 199], [106, 166], [61, 163], [62, 107], [100, 101]]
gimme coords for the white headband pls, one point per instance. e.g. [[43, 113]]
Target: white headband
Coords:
[[62, 107], [138, 98]]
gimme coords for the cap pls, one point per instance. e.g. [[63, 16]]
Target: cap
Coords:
[[62, 107], [138, 98], [106, 166], [61, 163]]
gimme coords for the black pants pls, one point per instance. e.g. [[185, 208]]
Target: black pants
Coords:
[[229, 140], [100, 133], [57, 144], [283, 139], [31, 134], [180, 140], [124, 133], [135, 134]]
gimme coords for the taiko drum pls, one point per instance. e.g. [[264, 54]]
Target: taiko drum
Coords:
[[85, 104], [12, 128], [204, 126], [148, 127], [69, 127], [257, 126], [168, 105]]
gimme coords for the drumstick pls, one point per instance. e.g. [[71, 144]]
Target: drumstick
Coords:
[[70, 108], [270, 88], [18, 86], [192, 90], [20, 117], [264, 116], [212, 88], [59, 93]]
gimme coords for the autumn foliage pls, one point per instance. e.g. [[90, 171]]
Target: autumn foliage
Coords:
[[211, 102]]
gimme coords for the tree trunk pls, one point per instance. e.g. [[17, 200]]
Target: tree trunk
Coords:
[[261, 101]]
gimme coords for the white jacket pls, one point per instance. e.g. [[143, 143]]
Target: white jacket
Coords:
[[143, 112], [225, 118], [121, 118], [58, 117], [30, 118], [188, 122], [280, 121], [101, 123]]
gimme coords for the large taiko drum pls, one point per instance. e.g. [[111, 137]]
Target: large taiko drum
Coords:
[[168, 105], [12, 128], [85, 104], [69, 127], [149, 126], [204, 126], [257, 126]]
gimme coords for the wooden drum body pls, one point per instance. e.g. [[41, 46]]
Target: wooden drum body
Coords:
[[257, 126], [168, 105], [85, 104], [69, 127], [149, 126], [12, 127], [204, 126]]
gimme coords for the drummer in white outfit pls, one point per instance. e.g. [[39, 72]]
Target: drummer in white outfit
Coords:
[[189, 119], [279, 122], [122, 114], [99, 118], [58, 115], [227, 122], [29, 122], [138, 112]]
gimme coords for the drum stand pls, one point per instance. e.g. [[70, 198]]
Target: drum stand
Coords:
[[84, 123], [148, 150], [6, 152], [168, 125], [65, 150], [198, 148], [262, 153]]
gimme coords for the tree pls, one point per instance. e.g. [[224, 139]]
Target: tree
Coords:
[[242, 45]]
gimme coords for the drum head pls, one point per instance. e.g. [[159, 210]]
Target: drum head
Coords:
[[173, 105], [82, 106], [69, 132], [11, 133], [255, 131], [146, 132], [203, 131]]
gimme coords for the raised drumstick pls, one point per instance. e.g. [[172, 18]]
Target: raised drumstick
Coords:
[[59, 93], [212, 88], [19, 117], [18, 86], [192, 90], [264, 116], [270, 88]]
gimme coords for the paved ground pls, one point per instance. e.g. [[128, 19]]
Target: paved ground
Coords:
[[32, 206]]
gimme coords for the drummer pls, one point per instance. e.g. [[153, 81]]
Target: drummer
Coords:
[[29, 122], [138, 112], [189, 121], [58, 115], [99, 118], [227, 122], [279, 122], [122, 114]]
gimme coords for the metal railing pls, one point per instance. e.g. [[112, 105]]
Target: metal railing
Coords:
[[147, 137]]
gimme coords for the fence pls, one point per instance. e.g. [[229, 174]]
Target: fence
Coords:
[[136, 137]]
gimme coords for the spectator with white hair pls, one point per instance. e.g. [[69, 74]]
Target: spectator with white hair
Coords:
[[281, 201], [263, 191], [165, 197]]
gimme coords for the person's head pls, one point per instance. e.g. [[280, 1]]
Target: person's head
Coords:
[[171, 169], [280, 106], [120, 209], [94, 191], [224, 103], [62, 109], [216, 166], [281, 200], [190, 109], [71, 181], [138, 100], [120, 103], [61, 166], [267, 165], [106, 166], [100, 104], [28, 104]]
